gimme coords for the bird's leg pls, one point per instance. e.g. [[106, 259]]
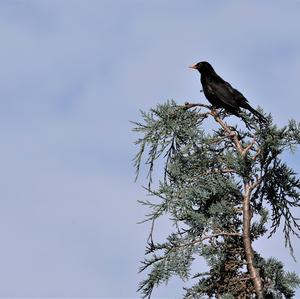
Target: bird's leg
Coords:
[[214, 111], [223, 113]]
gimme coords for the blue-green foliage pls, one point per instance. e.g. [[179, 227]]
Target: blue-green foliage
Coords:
[[279, 282], [202, 193]]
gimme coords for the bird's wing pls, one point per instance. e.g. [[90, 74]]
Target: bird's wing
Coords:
[[225, 92]]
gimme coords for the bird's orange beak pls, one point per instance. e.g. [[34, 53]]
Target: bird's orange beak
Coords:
[[193, 66]]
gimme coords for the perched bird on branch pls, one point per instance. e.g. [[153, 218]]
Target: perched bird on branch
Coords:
[[220, 93]]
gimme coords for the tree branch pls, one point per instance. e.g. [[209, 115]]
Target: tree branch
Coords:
[[230, 133], [247, 149], [254, 273], [188, 105], [229, 234]]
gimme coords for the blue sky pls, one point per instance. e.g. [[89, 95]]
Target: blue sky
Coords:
[[72, 75]]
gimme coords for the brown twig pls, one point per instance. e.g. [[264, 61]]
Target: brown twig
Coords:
[[230, 133], [229, 234], [247, 149], [257, 154], [188, 105], [256, 183]]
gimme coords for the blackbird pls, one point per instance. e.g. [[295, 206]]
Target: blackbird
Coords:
[[221, 94]]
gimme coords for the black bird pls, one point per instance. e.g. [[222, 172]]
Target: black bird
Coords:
[[220, 93]]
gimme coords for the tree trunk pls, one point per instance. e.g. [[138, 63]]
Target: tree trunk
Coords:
[[254, 273]]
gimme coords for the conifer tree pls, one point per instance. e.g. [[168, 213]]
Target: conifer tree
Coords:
[[223, 186]]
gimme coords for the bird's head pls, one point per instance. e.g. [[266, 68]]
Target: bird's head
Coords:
[[202, 67]]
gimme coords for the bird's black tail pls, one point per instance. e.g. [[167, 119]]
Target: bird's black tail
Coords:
[[257, 114]]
